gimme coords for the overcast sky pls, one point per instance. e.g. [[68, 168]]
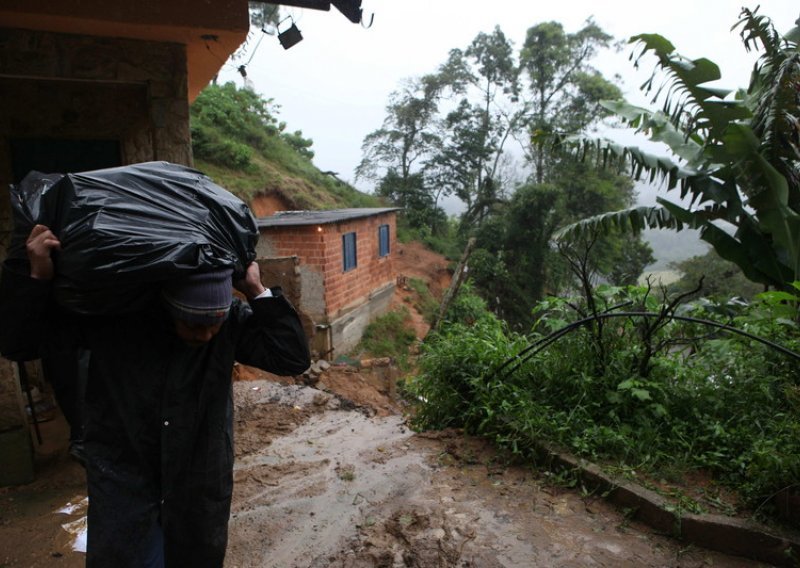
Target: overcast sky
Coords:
[[334, 85]]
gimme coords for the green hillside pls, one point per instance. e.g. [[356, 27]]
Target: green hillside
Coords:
[[238, 141]]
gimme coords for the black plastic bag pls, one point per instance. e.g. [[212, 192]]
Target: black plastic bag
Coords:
[[123, 231], [26, 200]]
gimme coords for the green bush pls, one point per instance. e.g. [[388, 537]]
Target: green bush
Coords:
[[207, 145], [722, 403], [427, 305], [467, 307], [388, 336]]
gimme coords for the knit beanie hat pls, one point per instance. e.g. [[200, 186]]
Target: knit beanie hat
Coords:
[[203, 298]]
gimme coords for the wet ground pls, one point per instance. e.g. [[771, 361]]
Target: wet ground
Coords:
[[349, 488], [324, 480]]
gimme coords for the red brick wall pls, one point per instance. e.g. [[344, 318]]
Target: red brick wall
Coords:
[[321, 246]]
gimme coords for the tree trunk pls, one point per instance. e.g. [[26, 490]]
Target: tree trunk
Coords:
[[458, 278]]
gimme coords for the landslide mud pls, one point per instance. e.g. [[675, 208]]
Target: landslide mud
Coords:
[[345, 489]]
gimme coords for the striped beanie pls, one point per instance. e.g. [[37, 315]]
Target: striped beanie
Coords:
[[203, 298]]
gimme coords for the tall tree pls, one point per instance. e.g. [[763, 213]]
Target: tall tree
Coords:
[[396, 155], [475, 132], [564, 88], [501, 95]]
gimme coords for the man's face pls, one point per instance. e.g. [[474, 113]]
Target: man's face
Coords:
[[196, 335]]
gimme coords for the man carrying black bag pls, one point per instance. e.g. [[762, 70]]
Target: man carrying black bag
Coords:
[[158, 407]]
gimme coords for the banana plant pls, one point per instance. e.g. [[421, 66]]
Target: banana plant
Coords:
[[736, 159]]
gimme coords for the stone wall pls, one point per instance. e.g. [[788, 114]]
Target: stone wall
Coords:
[[64, 86]]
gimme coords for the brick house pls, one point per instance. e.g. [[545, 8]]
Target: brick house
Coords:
[[88, 84], [344, 276]]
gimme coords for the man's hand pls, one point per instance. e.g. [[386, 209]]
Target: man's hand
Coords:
[[250, 285], [40, 244]]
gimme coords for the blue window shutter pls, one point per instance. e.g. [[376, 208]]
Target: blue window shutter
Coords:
[[383, 240], [349, 253]]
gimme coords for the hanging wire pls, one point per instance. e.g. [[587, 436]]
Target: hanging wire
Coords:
[[256, 47], [371, 21], [242, 69]]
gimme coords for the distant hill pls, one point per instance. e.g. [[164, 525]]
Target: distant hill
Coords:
[[673, 246], [668, 246], [238, 142]]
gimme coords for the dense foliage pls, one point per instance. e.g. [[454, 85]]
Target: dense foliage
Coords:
[[652, 397], [738, 159], [449, 133], [515, 264], [389, 335], [721, 279]]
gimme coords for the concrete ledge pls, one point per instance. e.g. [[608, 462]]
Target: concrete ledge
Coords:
[[714, 532]]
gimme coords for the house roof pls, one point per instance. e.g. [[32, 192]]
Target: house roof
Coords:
[[350, 8], [298, 218], [211, 30]]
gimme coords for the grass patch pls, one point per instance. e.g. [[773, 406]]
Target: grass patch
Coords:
[[390, 335]]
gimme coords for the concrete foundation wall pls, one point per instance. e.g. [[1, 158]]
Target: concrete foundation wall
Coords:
[[313, 300], [347, 329]]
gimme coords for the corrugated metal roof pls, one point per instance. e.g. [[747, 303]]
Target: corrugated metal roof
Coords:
[[297, 218]]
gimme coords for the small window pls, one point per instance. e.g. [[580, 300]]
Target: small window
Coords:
[[383, 240], [349, 253]]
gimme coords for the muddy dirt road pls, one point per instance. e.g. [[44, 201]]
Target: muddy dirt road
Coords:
[[346, 487], [324, 480]]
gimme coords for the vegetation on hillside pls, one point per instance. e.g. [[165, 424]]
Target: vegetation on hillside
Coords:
[[659, 384], [238, 141], [653, 396], [450, 133]]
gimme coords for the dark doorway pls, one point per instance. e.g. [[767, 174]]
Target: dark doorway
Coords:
[[54, 155]]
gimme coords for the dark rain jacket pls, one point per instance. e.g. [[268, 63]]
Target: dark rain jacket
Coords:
[[159, 414]]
